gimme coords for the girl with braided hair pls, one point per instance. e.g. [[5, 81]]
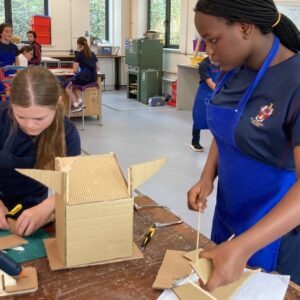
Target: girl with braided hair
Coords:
[[254, 116]]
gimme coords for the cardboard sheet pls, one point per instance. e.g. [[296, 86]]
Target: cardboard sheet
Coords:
[[139, 173], [173, 267], [191, 292], [56, 263], [191, 255], [203, 267], [11, 241], [24, 285]]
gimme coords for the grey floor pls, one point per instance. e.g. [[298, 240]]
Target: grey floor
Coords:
[[137, 133]]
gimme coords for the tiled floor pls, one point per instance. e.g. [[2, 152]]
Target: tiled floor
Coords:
[[137, 133]]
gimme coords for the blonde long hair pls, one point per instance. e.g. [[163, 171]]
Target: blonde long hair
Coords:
[[37, 85]]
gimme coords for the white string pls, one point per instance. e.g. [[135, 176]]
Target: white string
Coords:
[[198, 234]]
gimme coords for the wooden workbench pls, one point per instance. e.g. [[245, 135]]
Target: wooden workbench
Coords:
[[123, 280]]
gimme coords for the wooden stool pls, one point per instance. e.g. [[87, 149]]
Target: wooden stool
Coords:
[[91, 98]]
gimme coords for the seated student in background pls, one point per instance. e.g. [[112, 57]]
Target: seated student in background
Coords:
[[26, 54], [8, 50], [85, 68], [209, 74], [37, 48], [34, 130]]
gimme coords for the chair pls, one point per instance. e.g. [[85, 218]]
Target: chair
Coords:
[[86, 99]]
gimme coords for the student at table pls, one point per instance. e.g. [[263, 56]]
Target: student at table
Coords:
[[85, 68], [26, 54], [255, 120], [37, 48], [8, 50], [34, 130]]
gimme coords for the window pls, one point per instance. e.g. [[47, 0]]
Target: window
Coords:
[[164, 17], [99, 19], [2, 14], [19, 12]]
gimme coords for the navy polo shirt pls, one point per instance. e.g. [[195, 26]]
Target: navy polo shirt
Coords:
[[21, 152], [269, 128], [208, 70], [88, 68]]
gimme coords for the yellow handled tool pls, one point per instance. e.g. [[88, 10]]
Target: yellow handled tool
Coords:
[[15, 210], [148, 237]]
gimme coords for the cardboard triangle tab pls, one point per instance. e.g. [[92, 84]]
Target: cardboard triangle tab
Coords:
[[139, 173], [51, 179]]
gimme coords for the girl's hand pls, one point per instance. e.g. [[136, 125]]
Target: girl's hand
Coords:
[[33, 218], [197, 195], [229, 260], [3, 212]]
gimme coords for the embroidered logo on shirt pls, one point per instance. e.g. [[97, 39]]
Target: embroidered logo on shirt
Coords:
[[264, 113]]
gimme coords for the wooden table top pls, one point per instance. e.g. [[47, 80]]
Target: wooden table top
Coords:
[[128, 279]]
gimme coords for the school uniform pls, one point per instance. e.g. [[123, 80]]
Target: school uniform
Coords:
[[88, 69], [18, 150], [203, 95], [255, 120], [37, 54], [8, 54]]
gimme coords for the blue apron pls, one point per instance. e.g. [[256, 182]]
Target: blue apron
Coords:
[[247, 189], [203, 95]]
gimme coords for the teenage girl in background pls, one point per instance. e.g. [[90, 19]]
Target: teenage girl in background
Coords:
[[8, 50], [37, 48], [85, 68], [26, 54]]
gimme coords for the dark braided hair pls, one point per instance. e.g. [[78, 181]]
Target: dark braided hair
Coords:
[[262, 13]]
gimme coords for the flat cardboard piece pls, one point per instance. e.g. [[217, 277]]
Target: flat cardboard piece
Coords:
[[24, 285], [203, 267], [191, 255], [101, 230], [56, 263], [51, 179], [173, 267], [139, 173], [191, 292], [204, 270], [11, 241]]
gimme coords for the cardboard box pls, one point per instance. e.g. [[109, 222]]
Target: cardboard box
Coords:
[[94, 208]]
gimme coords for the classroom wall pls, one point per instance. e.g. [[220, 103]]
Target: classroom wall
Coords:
[[128, 19]]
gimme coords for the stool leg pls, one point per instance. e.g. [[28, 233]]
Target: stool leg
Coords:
[[83, 107]]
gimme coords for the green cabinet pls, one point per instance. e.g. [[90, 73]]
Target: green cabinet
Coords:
[[145, 53], [144, 58], [150, 84]]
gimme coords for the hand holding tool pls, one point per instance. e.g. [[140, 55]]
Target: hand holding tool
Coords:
[[15, 210]]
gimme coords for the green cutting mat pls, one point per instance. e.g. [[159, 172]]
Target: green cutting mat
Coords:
[[32, 250]]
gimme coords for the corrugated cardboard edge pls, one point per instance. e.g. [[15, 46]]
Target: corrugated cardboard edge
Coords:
[[24, 285], [56, 262], [173, 267]]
